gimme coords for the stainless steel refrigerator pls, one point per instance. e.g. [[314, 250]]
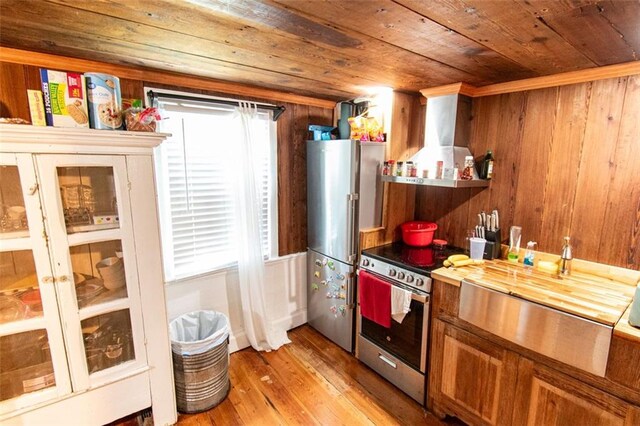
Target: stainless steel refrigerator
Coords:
[[344, 195]]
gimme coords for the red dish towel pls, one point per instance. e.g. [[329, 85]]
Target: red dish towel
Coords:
[[375, 299]]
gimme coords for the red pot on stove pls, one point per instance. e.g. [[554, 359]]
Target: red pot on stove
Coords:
[[418, 233]]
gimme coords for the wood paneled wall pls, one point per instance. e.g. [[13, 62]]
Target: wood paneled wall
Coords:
[[292, 173], [567, 163], [15, 79], [407, 136]]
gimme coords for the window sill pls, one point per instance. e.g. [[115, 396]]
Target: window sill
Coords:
[[232, 267]]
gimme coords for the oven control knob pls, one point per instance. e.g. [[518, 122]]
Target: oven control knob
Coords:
[[392, 272], [401, 275], [409, 278], [419, 282], [365, 262]]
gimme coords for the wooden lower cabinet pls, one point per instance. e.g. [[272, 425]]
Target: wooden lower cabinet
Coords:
[[548, 397], [482, 383], [471, 378]]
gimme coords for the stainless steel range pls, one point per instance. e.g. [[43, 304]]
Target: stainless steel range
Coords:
[[399, 353]]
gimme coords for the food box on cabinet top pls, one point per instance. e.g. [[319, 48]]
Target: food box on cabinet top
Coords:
[[36, 108], [105, 101], [65, 101]]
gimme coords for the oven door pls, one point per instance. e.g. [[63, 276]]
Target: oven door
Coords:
[[406, 340]]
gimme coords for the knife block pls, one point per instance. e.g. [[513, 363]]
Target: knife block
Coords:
[[492, 246]]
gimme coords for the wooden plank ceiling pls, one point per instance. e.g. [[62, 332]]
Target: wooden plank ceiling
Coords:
[[333, 49]]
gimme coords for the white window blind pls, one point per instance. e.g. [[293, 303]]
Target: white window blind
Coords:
[[196, 168]]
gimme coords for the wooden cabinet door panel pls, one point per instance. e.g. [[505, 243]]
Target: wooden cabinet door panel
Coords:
[[549, 398], [477, 377]]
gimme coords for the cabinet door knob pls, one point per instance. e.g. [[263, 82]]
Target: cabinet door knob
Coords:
[[47, 279], [63, 279]]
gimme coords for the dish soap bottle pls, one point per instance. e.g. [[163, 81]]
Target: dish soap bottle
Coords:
[[565, 258], [529, 255], [515, 234], [487, 166]]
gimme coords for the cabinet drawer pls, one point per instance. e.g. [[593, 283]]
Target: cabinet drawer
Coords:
[[406, 378]]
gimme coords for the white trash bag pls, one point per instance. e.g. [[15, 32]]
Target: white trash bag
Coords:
[[198, 332]]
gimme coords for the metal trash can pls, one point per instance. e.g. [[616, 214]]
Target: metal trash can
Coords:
[[200, 349]]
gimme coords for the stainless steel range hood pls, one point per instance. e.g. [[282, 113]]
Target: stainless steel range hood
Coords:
[[447, 133]]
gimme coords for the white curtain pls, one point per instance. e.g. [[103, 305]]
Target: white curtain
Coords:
[[258, 326]]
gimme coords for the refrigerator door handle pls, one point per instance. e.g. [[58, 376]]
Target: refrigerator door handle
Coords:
[[351, 292], [352, 199]]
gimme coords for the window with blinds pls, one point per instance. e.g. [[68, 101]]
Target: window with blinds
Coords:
[[195, 171]]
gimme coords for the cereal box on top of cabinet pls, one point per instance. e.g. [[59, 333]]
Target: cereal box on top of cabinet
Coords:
[[65, 101], [105, 101]]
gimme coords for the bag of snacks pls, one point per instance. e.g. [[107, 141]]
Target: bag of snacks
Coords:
[[358, 128], [374, 129], [141, 120], [365, 127]]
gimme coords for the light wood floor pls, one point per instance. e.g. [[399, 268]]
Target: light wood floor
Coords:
[[309, 381]]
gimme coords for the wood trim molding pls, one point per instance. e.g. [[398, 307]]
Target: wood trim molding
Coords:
[[46, 60], [572, 77], [563, 79], [449, 89], [27, 138]]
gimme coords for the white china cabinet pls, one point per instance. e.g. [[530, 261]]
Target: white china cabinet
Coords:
[[83, 324]]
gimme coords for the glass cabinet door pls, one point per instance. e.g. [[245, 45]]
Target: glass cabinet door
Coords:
[[87, 197], [13, 223], [33, 364]]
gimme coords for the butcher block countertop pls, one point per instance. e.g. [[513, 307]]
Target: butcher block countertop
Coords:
[[596, 292]]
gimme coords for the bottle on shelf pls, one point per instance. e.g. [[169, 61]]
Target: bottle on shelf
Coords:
[[414, 170], [467, 172], [439, 169], [408, 169], [486, 171], [392, 167]]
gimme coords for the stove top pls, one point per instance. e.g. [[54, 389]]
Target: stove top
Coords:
[[421, 260]]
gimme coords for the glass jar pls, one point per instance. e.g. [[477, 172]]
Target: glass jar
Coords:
[[392, 167], [439, 169], [467, 172]]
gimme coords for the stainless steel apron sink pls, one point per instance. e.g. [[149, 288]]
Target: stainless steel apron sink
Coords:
[[568, 338]]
